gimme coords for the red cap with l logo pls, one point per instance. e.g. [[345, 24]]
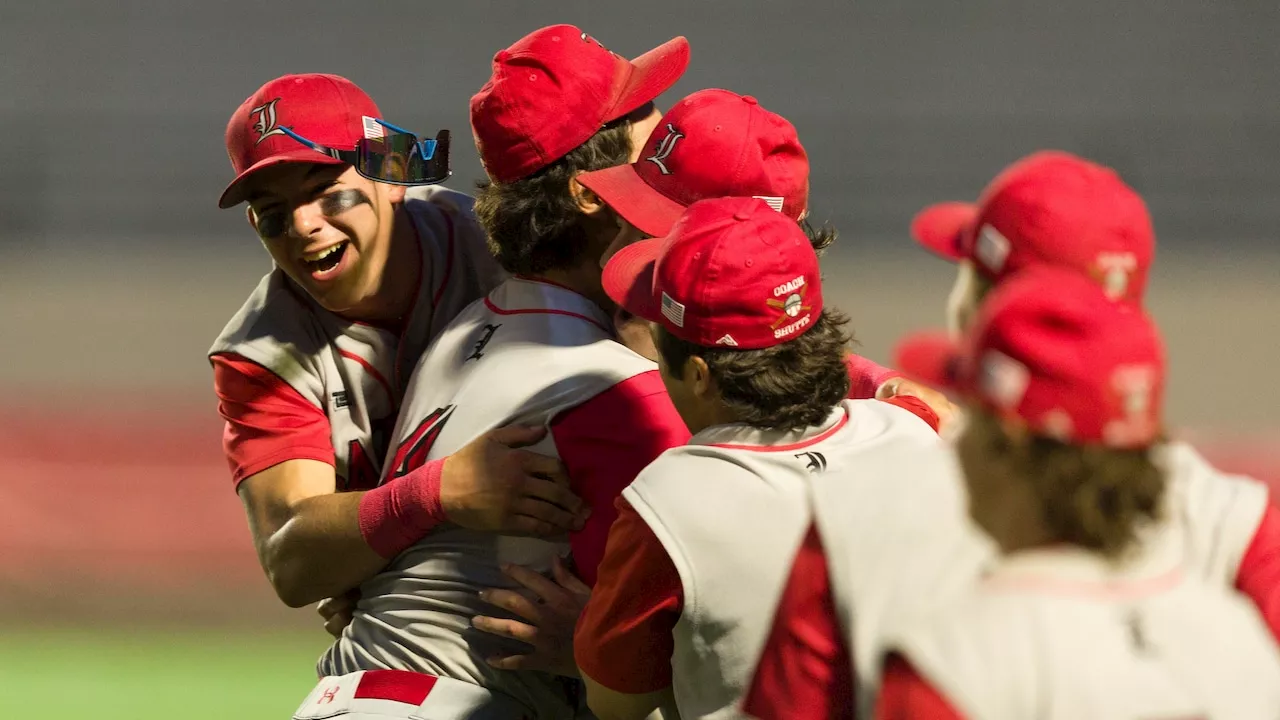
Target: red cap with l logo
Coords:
[[326, 109], [712, 144]]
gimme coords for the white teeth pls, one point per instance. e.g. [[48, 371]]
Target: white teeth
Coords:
[[319, 255]]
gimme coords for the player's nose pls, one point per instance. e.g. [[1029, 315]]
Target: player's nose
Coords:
[[307, 219]]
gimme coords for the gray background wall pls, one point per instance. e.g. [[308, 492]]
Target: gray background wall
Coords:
[[116, 268]]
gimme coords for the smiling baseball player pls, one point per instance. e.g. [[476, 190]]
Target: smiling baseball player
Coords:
[[310, 372]]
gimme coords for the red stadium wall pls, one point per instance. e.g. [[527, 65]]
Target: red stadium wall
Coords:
[[123, 513]]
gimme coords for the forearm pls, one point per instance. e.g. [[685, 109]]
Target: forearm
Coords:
[[866, 376], [314, 543], [320, 551]]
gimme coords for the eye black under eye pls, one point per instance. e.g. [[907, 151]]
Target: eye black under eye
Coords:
[[340, 201], [272, 224]]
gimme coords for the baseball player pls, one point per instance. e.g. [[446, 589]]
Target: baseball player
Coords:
[[713, 143], [1058, 209], [538, 349], [1049, 209], [310, 372], [1076, 620], [705, 535]]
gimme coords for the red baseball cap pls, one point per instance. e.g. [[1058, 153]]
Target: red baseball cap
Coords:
[[1050, 349], [325, 109], [714, 143], [733, 273], [1049, 208], [555, 88]]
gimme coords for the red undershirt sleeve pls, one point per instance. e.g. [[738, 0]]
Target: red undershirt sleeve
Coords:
[[604, 444], [904, 695], [624, 637], [805, 670], [866, 376], [267, 421], [1259, 573]]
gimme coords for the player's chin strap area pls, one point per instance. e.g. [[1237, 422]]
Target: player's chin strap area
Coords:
[[379, 694]]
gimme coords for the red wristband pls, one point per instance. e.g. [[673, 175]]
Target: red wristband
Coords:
[[401, 512], [866, 376]]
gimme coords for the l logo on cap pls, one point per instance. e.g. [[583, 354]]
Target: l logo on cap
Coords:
[[265, 124], [663, 151]]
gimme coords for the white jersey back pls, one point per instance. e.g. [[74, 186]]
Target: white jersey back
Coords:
[[731, 509], [916, 550], [1060, 634], [524, 354], [353, 371]]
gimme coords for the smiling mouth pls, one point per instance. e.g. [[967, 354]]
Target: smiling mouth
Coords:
[[325, 260]]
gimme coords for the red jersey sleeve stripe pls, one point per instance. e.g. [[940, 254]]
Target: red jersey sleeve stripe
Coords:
[[267, 421]]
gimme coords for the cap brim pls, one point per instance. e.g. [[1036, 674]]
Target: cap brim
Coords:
[[628, 279], [930, 357], [653, 74], [234, 194], [938, 228], [623, 190]]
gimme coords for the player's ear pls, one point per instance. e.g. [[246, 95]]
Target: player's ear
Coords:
[[252, 217], [395, 193], [588, 202], [698, 375]]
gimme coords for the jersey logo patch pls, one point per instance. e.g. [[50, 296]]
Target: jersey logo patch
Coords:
[[816, 462], [412, 453], [341, 400], [478, 352]]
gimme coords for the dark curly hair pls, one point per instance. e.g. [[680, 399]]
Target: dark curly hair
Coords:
[[534, 223], [1090, 496], [789, 386], [820, 238]]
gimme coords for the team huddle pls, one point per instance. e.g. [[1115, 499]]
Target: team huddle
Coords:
[[591, 443]]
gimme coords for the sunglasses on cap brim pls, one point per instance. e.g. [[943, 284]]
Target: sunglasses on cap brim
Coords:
[[399, 157]]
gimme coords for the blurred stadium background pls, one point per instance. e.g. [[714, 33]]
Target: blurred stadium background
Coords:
[[128, 587]]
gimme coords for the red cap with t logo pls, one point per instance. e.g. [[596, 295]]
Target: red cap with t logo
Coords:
[[1051, 350], [555, 88], [1049, 208], [325, 109], [733, 273], [712, 144]]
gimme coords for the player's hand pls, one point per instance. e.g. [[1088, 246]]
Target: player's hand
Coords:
[[492, 485], [338, 611], [947, 412], [551, 609], [633, 332]]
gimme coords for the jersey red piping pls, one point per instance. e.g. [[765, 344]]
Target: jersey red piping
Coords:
[[544, 311], [372, 371]]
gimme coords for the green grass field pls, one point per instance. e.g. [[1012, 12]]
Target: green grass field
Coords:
[[154, 675]]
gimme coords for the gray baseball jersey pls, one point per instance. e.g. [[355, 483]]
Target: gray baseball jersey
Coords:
[[730, 509], [1062, 634], [353, 371], [526, 353], [915, 552]]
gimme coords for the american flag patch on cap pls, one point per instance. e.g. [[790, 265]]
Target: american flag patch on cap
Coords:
[[672, 310], [372, 128], [771, 201]]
